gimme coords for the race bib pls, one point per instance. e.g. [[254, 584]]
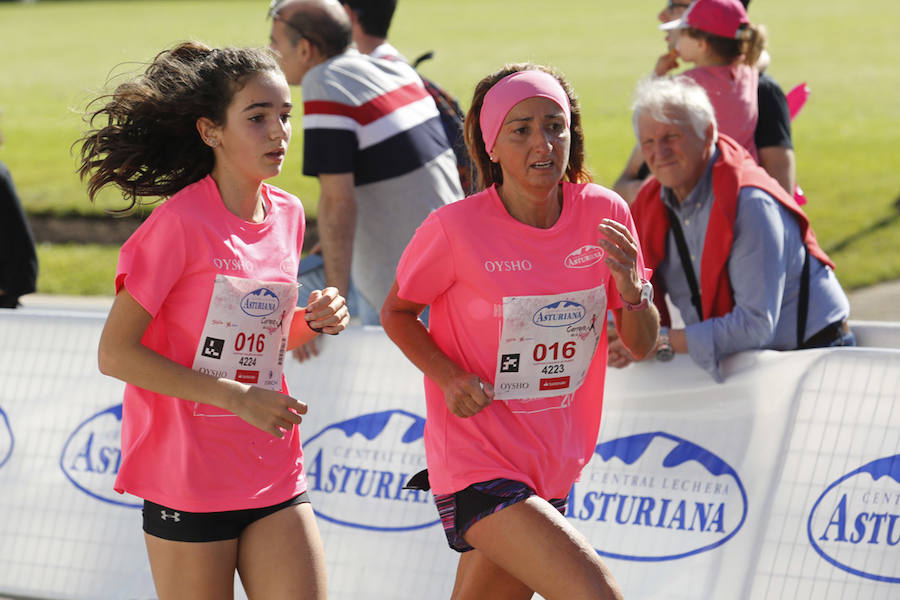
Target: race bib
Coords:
[[547, 344], [245, 334]]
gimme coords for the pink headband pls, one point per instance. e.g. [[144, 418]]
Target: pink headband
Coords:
[[511, 90]]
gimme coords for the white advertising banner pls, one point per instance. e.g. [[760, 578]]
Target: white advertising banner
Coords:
[[782, 482]]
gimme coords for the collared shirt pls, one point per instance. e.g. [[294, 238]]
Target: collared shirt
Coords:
[[765, 269]]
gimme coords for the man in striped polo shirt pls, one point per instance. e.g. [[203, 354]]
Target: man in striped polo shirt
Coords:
[[372, 135]]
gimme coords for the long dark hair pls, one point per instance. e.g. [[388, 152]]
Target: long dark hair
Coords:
[[489, 172], [148, 144]]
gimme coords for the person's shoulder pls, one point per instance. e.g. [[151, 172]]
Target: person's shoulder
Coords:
[[281, 199], [768, 86], [700, 73], [472, 202], [352, 78], [6, 182], [595, 195], [353, 64], [192, 204], [466, 209], [758, 207], [349, 64], [276, 193], [187, 199]]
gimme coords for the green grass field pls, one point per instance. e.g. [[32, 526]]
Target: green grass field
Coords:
[[59, 55]]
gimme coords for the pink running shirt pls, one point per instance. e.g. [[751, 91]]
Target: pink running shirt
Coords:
[[463, 260], [732, 92], [170, 456]]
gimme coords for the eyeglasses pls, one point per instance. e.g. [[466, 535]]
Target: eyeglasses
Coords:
[[671, 6], [273, 14]]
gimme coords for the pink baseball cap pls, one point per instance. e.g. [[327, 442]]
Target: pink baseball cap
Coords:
[[723, 18]]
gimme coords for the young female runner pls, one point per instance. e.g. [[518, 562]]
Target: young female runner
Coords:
[[205, 309]]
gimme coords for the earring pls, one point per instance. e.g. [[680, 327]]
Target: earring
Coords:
[[211, 142]]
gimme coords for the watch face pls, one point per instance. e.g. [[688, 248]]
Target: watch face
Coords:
[[665, 354]]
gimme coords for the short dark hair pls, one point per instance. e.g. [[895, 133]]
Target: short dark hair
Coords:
[[374, 15]]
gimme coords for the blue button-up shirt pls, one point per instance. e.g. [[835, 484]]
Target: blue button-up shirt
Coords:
[[765, 268]]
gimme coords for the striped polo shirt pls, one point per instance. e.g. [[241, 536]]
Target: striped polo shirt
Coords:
[[374, 118]]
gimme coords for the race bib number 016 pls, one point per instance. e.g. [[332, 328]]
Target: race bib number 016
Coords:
[[245, 333], [547, 344]]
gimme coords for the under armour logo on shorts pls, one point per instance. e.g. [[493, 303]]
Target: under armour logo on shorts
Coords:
[[175, 516]]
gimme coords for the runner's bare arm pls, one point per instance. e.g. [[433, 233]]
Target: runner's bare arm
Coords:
[[637, 329], [122, 355], [465, 393]]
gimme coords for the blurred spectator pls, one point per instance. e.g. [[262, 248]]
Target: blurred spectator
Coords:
[[370, 21], [372, 136], [18, 259], [724, 46], [772, 134], [773, 128]]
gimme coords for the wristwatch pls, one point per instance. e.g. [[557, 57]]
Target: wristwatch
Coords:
[[646, 297], [664, 350]]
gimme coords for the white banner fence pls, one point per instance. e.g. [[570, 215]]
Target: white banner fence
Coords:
[[783, 482]]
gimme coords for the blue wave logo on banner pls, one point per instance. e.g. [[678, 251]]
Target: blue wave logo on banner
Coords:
[[357, 468], [657, 497], [92, 456], [260, 303], [7, 441], [855, 523], [559, 314]]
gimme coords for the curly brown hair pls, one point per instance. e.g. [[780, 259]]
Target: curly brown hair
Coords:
[[148, 144], [489, 172]]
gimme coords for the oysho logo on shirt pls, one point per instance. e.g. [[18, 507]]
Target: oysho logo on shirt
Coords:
[[584, 257], [233, 264], [261, 302], [500, 266]]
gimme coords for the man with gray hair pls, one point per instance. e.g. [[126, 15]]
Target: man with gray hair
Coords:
[[732, 249], [373, 137]]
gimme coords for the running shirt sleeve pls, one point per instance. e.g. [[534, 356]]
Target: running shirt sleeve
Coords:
[[425, 269], [328, 150], [152, 260]]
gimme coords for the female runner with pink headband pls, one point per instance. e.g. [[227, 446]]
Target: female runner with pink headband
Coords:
[[519, 278]]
